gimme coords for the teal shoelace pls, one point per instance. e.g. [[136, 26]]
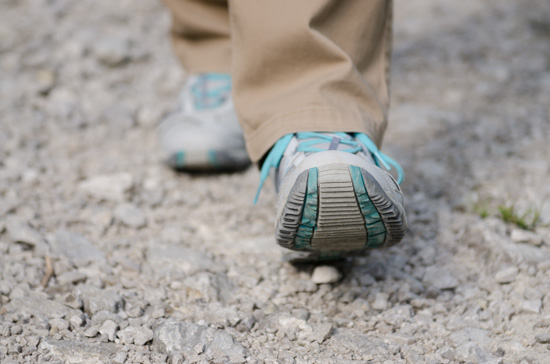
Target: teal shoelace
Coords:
[[211, 90], [356, 143]]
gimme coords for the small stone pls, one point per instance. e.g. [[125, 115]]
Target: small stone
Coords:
[[76, 351], [113, 51], [293, 327], [127, 335], [38, 306], [109, 328], [71, 301], [399, 339], [507, 275], [18, 292], [165, 258], [21, 232], [71, 278], [543, 338], [484, 356], [58, 324], [16, 330], [524, 236], [366, 280], [108, 187], [77, 248], [95, 299], [45, 79], [467, 335], [175, 338], [76, 322], [91, 332], [321, 333], [440, 278], [543, 324], [380, 301], [133, 310], [120, 358], [531, 306], [325, 274], [101, 316], [130, 215], [143, 336]]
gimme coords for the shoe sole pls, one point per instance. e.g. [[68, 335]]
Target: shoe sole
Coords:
[[336, 210], [211, 160]]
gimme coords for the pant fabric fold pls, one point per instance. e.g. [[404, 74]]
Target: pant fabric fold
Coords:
[[308, 65]]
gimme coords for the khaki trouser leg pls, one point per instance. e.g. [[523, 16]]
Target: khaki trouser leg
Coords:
[[310, 65], [297, 65], [201, 34]]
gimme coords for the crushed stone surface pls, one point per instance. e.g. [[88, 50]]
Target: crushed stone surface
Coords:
[[108, 256]]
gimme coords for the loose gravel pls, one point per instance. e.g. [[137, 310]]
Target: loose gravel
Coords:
[[107, 256]]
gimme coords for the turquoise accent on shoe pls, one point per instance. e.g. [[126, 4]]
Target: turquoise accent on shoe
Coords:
[[180, 159], [361, 142], [272, 161], [207, 97], [213, 158], [379, 157], [309, 214], [376, 231]]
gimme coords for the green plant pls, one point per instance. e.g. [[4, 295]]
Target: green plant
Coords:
[[482, 209], [527, 221]]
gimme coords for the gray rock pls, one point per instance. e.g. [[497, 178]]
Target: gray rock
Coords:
[[113, 51], [76, 248], [143, 336], [108, 187], [127, 335], [186, 338], [76, 322], [543, 324], [8, 204], [71, 277], [119, 358], [543, 338], [440, 278], [21, 232], [525, 236], [353, 341], [320, 333], [325, 274], [69, 351], [109, 328], [165, 258], [38, 306], [58, 324], [101, 316], [481, 355], [71, 301], [531, 306], [293, 327], [130, 215], [399, 339], [380, 301], [507, 275], [208, 287], [91, 331], [469, 334], [95, 299]]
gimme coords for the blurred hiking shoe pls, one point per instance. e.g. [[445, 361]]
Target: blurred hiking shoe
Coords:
[[204, 134], [334, 200]]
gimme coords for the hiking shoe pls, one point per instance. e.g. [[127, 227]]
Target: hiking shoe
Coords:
[[333, 198], [204, 134]]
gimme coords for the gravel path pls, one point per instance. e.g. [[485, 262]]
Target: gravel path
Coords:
[[106, 256]]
